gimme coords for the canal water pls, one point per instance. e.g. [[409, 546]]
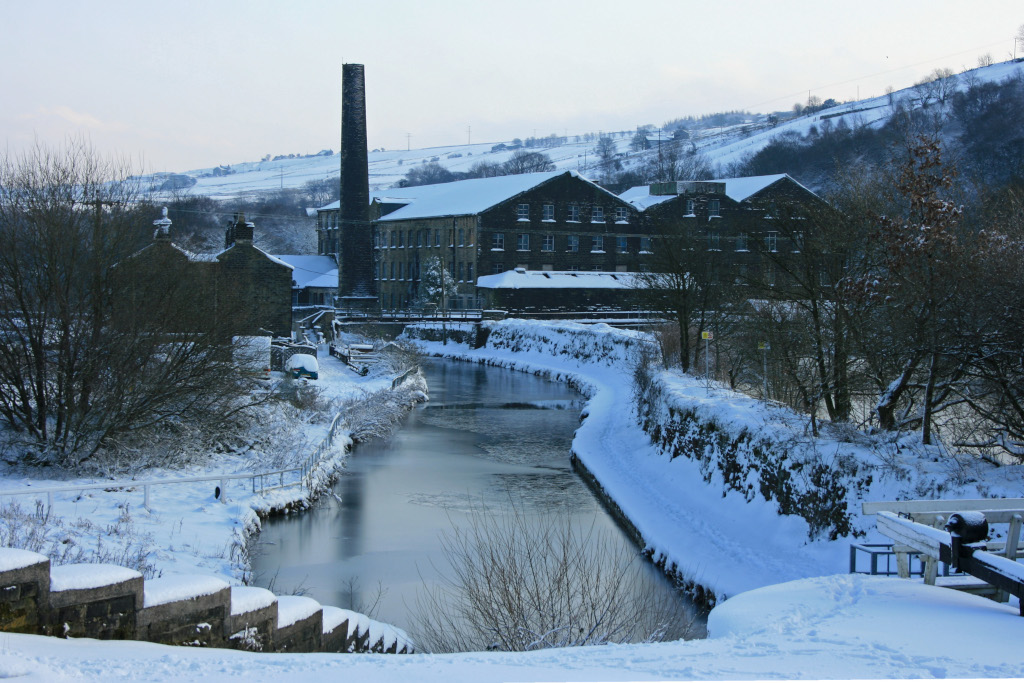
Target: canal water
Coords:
[[487, 436]]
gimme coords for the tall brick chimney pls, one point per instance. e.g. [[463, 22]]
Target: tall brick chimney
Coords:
[[356, 287]]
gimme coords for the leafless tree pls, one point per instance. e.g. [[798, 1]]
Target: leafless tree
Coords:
[[525, 584], [88, 355]]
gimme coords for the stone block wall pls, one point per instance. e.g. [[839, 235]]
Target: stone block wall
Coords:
[[24, 592], [110, 602]]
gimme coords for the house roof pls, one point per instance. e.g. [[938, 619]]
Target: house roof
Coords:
[[462, 197], [556, 279], [311, 271], [736, 189]]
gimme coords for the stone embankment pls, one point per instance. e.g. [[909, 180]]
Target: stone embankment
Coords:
[[109, 602]]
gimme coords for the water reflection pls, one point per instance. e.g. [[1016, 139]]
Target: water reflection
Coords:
[[486, 435]]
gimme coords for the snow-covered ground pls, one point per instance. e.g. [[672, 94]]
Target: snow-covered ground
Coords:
[[791, 612], [721, 146], [834, 627], [186, 528]]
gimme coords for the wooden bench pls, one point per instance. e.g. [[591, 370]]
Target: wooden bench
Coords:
[[935, 513]]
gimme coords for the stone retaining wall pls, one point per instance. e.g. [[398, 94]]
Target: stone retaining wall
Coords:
[[114, 603]]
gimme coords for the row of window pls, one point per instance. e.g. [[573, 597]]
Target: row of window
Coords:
[[771, 241], [714, 208], [572, 243], [397, 270], [399, 239], [573, 214]]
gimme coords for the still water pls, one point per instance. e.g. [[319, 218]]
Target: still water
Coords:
[[486, 434]]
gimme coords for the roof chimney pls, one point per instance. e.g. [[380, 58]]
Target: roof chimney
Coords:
[[239, 231], [163, 227]]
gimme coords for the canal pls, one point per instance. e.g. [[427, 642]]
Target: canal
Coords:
[[487, 436]]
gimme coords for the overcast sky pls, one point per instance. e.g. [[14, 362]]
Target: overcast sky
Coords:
[[185, 84]]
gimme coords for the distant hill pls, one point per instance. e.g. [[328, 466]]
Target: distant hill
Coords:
[[726, 148]]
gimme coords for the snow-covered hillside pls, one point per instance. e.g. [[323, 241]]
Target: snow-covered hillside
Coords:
[[722, 147]]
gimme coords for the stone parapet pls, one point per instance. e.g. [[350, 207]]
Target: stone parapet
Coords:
[[111, 602]]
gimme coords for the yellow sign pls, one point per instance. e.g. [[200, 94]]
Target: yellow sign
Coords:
[[706, 335]]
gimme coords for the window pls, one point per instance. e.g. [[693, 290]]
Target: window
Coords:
[[401, 239], [469, 272], [523, 241], [549, 212], [798, 242], [622, 244], [714, 240], [741, 242], [645, 245], [547, 266], [597, 214], [462, 271], [771, 241], [620, 214], [574, 213], [498, 268], [392, 270], [714, 208], [437, 237], [523, 212], [597, 243], [419, 238], [472, 236], [498, 241], [573, 243], [620, 269], [462, 237], [689, 207], [769, 275], [393, 238], [549, 243]]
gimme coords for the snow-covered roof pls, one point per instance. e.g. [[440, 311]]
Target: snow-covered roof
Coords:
[[736, 189], [462, 197], [310, 270], [556, 279]]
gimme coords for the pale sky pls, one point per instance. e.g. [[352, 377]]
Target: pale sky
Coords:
[[187, 84]]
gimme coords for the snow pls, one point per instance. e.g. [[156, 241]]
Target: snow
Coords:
[[250, 598], [555, 279], [336, 616], [293, 608], [14, 558], [311, 271], [180, 587], [302, 360], [463, 197], [84, 576], [845, 627]]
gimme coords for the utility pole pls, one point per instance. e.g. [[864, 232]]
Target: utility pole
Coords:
[[408, 137], [469, 129]]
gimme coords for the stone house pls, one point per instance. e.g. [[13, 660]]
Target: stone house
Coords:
[[241, 290]]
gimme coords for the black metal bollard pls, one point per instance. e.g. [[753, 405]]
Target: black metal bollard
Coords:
[[964, 529]]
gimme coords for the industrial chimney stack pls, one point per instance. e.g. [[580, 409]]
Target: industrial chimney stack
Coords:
[[356, 286]]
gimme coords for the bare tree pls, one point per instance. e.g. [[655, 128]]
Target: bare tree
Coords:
[[524, 584], [523, 161], [89, 355]]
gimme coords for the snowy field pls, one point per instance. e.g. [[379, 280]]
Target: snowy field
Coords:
[[721, 146], [791, 612]]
